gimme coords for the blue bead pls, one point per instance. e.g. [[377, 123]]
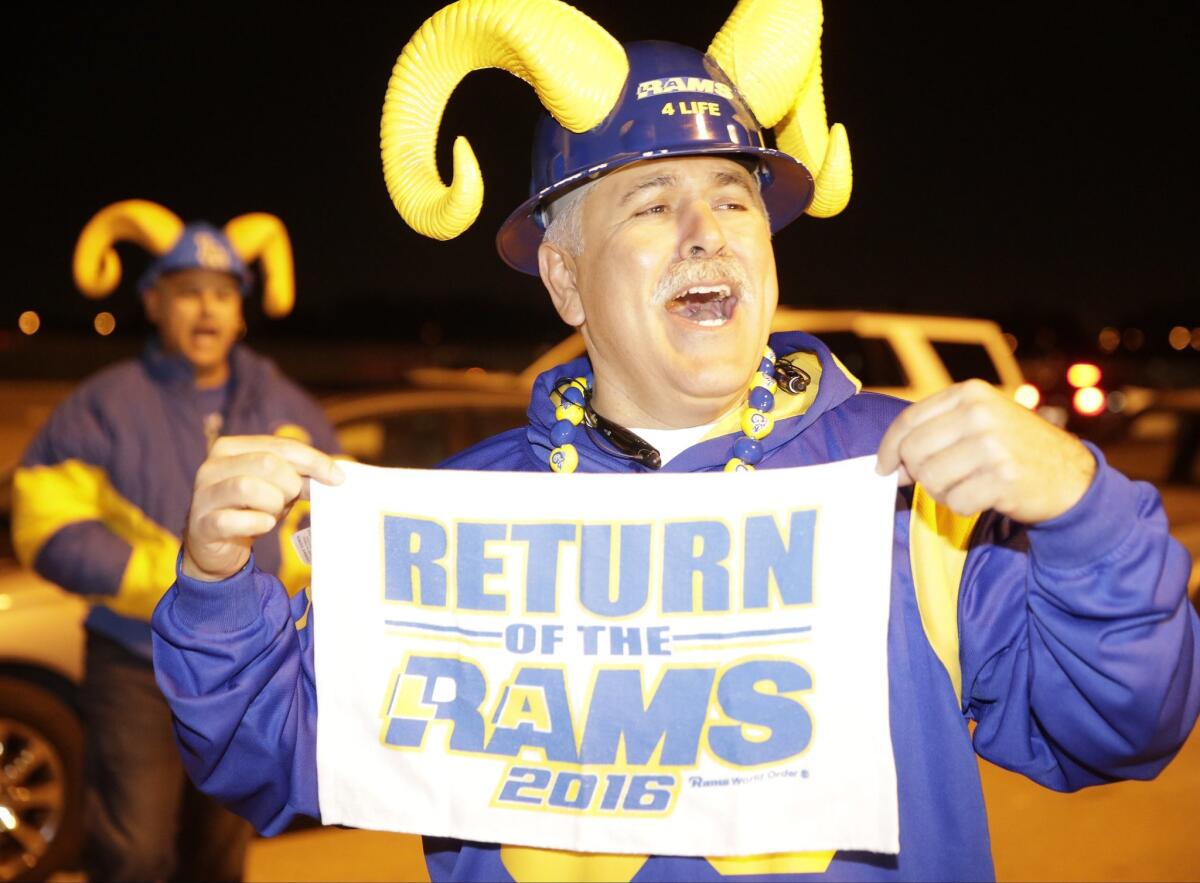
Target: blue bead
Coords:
[[748, 450], [761, 399], [562, 433], [573, 395], [766, 366]]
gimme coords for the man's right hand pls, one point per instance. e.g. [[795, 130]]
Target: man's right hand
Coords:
[[247, 484]]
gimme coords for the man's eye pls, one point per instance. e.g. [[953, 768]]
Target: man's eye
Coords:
[[732, 206], [657, 209]]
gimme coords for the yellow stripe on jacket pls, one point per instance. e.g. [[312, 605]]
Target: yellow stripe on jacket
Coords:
[[937, 546], [530, 865], [48, 498], [294, 573]]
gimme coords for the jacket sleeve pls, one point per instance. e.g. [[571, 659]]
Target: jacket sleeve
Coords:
[[1079, 647], [234, 660], [75, 529]]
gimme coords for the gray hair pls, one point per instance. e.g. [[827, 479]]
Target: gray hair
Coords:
[[564, 220]]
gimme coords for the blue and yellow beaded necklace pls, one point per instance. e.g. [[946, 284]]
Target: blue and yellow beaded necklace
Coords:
[[573, 409]]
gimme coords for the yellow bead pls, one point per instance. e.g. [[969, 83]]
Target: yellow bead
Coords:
[[564, 459], [767, 383], [736, 465], [768, 354], [757, 424], [567, 411]]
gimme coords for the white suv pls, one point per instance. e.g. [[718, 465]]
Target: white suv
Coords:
[[902, 354]]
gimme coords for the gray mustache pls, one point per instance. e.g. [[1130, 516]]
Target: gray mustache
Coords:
[[685, 274]]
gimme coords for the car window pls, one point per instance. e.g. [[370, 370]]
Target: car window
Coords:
[[965, 361], [871, 359], [423, 438]]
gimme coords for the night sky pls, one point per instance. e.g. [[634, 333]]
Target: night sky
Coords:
[[1025, 162]]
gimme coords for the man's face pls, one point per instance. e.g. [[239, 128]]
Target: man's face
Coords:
[[199, 315], [676, 289]]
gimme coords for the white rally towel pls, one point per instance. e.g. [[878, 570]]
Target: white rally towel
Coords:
[[676, 664]]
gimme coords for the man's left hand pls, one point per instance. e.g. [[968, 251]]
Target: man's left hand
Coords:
[[973, 448]]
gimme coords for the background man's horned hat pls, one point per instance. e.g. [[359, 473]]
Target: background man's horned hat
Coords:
[[195, 246], [609, 105]]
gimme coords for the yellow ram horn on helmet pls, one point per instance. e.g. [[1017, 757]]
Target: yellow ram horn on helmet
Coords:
[[802, 133], [771, 49], [575, 67], [96, 265], [766, 47], [262, 236]]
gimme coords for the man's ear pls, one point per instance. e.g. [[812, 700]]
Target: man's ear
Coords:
[[557, 269], [152, 304]]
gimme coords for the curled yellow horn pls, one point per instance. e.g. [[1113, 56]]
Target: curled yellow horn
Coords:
[[574, 65], [766, 47], [96, 266], [824, 152], [771, 49], [262, 236]]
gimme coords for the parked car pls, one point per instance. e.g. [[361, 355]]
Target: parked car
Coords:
[[1159, 442], [41, 740], [903, 354]]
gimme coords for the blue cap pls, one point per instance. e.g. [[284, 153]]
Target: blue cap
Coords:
[[676, 102], [200, 246]]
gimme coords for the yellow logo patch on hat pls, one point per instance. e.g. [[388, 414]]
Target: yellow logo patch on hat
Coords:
[[210, 254]]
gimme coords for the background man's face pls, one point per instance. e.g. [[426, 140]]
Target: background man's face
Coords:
[[677, 284], [199, 315]]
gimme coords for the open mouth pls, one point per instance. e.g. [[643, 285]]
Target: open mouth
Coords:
[[709, 306]]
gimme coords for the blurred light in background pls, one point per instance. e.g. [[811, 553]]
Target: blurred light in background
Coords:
[[104, 323], [1089, 401], [1196, 338], [1133, 338], [1179, 338], [1082, 374], [1110, 339], [1027, 395], [1117, 401], [1011, 340], [29, 322]]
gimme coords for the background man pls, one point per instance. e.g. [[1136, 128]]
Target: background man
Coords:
[[101, 498], [1034, 589]]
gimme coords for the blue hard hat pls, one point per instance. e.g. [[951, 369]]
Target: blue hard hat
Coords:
[[657, 115], [200, 246]]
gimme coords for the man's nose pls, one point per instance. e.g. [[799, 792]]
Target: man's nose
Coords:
[[701, 234]]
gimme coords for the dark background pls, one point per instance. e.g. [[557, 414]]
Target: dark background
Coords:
[[1031, 163]]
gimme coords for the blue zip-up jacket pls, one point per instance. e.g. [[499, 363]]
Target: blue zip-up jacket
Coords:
[[1071, 646], [102, 493]]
